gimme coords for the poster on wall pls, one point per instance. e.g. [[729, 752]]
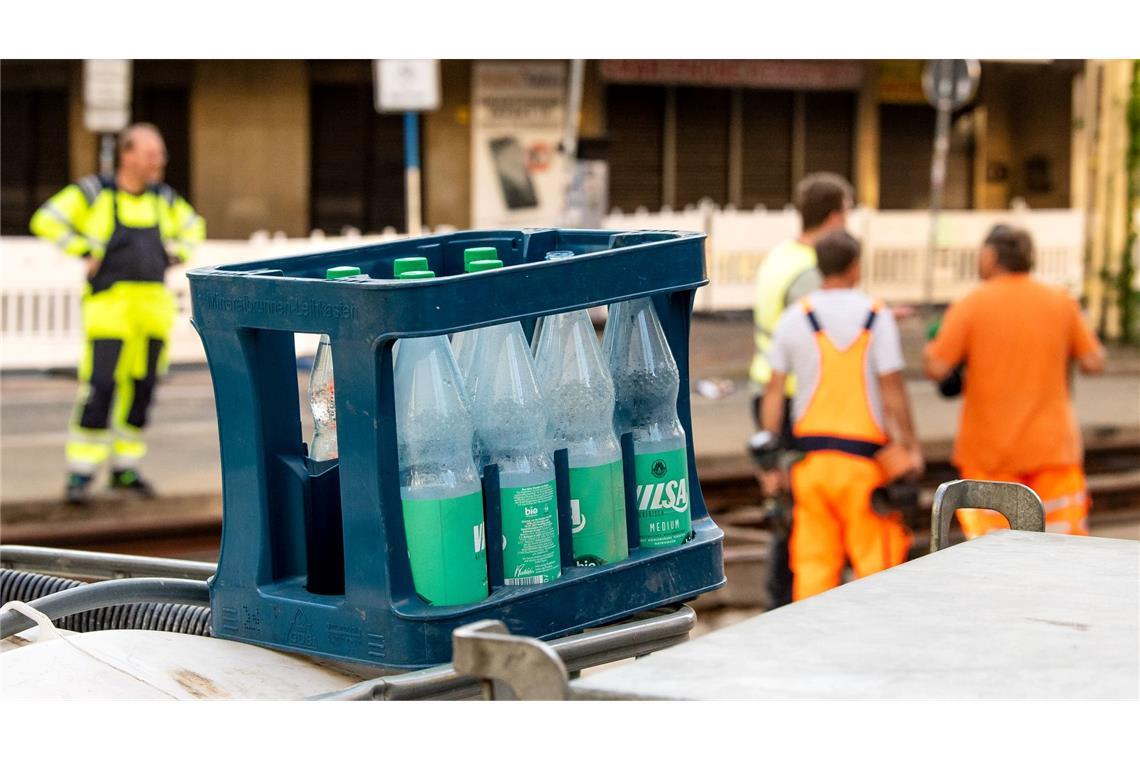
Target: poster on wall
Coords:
[[517, 120], [587, 199]]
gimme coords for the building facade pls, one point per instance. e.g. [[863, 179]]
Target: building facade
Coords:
[[295, 146]]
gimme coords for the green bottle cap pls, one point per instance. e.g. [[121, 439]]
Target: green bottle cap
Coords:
[[336, 273], [408, 264], [416, 274], [484, 264], [471, 255]]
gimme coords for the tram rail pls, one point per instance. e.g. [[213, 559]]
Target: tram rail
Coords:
[[189, 527]]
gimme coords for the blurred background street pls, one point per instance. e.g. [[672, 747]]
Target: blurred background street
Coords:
[[289, 157]]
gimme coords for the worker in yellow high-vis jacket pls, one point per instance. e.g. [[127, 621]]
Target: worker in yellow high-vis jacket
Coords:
[[128, 228]]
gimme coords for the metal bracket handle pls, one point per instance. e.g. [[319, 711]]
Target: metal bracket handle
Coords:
[[511, 667], [1018, 503]]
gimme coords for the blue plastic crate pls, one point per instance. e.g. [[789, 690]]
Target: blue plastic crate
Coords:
[[313, 555]]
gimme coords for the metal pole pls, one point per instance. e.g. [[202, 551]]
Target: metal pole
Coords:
[[107, 154], [412, 172], [944, 85], [570, 133], [574, 108]]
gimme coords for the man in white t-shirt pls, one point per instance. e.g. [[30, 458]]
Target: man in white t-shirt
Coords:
[[850, 403]]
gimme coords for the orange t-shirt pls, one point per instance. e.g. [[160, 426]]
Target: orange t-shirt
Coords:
[[1017, 337]]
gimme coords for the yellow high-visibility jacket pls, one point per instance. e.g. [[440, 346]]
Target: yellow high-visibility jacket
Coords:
[[80, 218], [785, 275]]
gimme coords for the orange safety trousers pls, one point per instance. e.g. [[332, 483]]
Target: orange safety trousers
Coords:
[[1063, 491], [832, 520]]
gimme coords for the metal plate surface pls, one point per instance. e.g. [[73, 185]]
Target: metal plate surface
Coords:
[[1010, 615]]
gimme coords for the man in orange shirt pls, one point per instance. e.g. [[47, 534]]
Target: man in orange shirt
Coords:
[[1017, 337]]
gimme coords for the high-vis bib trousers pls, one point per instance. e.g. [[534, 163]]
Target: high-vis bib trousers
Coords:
[[832, 520], [128, 313], [1063, 491]]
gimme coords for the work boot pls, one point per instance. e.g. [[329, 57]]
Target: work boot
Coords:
[[128, 481], [77, 486]]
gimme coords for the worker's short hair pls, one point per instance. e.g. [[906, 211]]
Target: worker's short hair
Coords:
[[836, 251], [126, 138], [818, 195], [1013, 246]]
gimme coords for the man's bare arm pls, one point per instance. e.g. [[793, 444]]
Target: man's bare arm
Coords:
[[1093, 362], [772, 407], [896, 406], [935, 368]]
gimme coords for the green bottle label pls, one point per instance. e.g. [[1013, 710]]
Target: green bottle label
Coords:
[[530, 535], [447, 547], [663, 498], [597, 514]]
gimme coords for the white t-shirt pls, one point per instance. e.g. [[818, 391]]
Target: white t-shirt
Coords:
[[841, 314]]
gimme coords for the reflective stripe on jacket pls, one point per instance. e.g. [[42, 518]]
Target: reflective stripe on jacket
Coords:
[[80, 218]]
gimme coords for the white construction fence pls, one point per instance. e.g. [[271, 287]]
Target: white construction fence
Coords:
[[40, 326], [895, 244], [40, 290]]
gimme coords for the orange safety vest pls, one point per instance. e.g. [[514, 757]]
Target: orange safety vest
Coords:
[[838, 416]]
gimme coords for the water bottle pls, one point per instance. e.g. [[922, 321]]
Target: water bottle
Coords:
[[510, 426], [484, 253], [534, 338], [579, 398], [463, 343], [322, 389], [409, 268], [440, 490], [409, 264], [646, 381]]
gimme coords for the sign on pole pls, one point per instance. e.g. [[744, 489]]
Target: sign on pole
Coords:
[[407, 85], [950, 82], [106, 95], [948, 85]]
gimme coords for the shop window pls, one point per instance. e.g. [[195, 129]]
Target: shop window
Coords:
[[702, 145], [829, 119], [635, 118], [766, 173], [34, 153], [357, 161]]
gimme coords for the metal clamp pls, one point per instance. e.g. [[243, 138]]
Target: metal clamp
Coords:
[[511, 667], [1017, 503]]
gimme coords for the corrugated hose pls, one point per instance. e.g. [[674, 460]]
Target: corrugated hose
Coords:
[[152, 604]]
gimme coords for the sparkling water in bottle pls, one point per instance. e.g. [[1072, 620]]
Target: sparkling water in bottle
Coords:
[[322, 389], [579, 398], [510, 425], [440, 488], [646, 381], [463, 343], [400, 270], [534, 338]]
